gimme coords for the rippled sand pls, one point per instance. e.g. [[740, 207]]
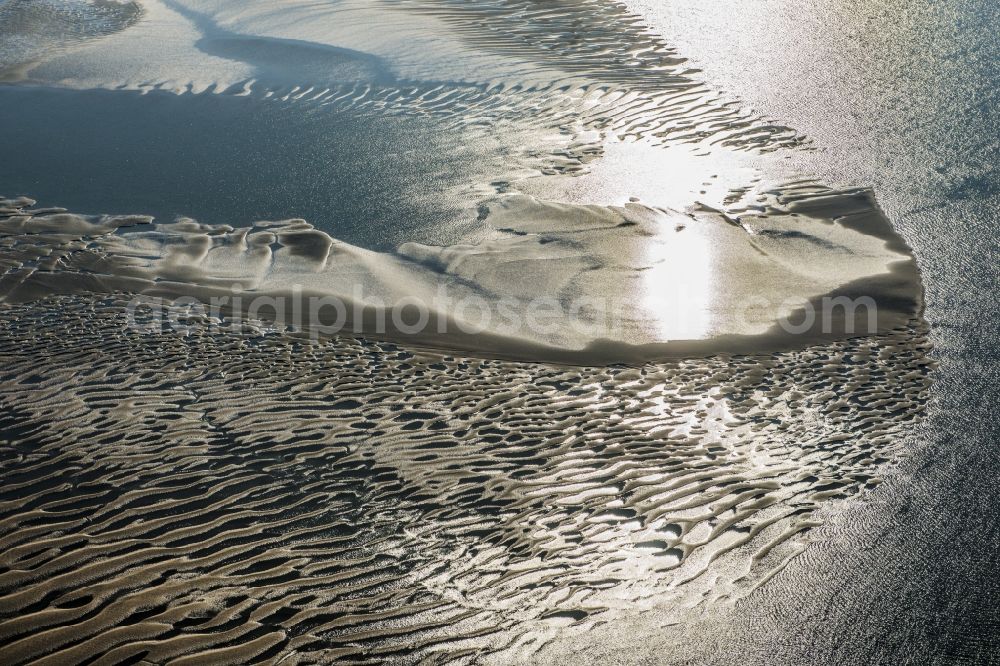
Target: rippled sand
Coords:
[[210, 498]]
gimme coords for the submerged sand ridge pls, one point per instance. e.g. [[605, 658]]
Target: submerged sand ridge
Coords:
[[428, 59], [556, 281]]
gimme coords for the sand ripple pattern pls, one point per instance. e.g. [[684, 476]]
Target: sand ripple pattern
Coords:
[[584, 67], [223, 498], [680, 114], [562, 127], [636, 86]]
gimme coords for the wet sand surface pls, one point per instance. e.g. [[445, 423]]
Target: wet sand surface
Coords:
[[214, 497]]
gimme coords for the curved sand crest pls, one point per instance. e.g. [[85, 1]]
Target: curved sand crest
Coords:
[[582, 284]]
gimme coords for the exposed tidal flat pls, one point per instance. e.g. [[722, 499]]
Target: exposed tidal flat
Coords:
[[248, 496], [689, 481]]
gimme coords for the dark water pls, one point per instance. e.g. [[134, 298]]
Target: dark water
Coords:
[[224, 159]]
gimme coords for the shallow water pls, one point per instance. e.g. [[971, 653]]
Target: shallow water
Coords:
[[230, 160]]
